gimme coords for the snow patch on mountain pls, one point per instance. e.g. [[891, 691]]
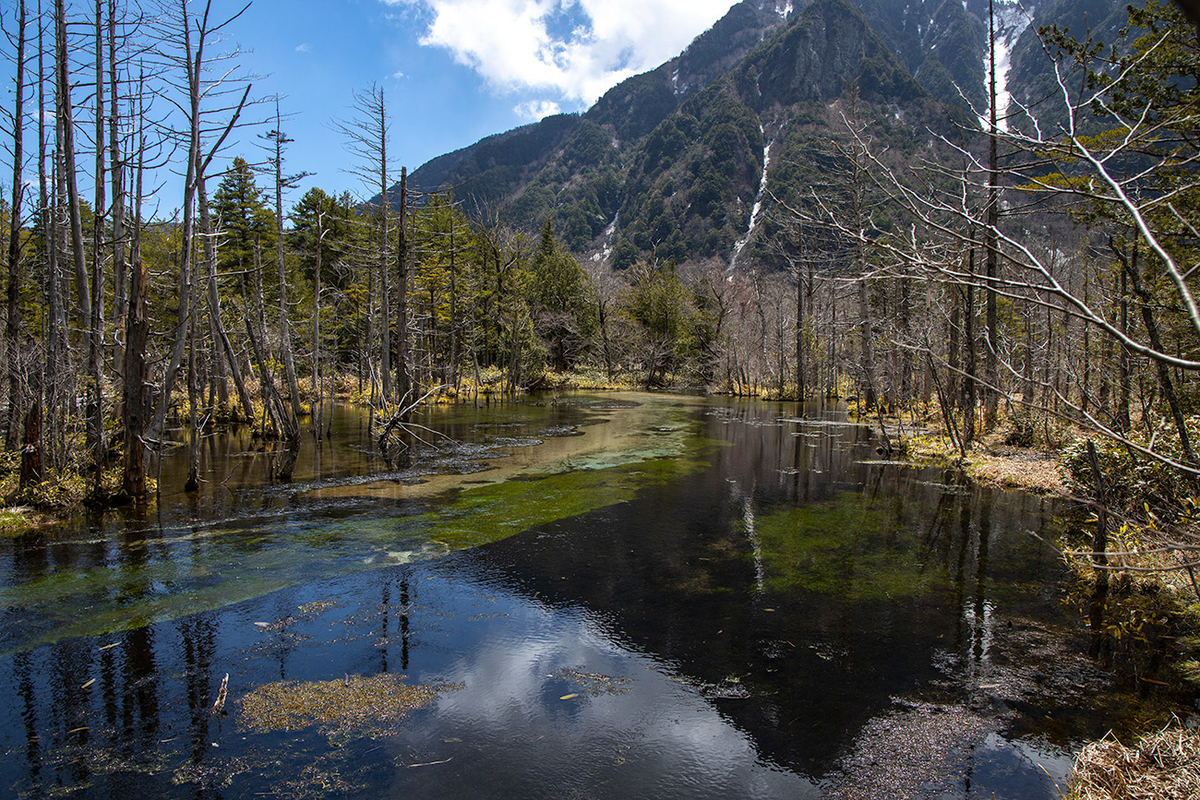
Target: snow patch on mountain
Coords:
[[1012, 18]]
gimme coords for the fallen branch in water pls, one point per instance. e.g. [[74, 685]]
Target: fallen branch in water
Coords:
[[222, 693], [398, 419]]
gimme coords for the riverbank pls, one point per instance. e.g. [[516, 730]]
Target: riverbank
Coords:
[[996, 464], [1162, 763]]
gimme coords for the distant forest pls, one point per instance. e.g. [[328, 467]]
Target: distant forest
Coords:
[[1035, 271]]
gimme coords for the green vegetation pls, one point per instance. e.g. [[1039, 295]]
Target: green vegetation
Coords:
[[845, 548]]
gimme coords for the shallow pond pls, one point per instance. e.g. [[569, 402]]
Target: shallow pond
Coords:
[[589, 596]]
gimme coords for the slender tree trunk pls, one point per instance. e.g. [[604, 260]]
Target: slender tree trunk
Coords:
[[403, 378], [95, 399], [454, 321], [12, 328], [66, 147], [292, 422], [1165, 383], [385, 294], [1123, 386], [214, 310], [867, 392], [193, 476], [117, 169], [49, 393], [134, 372], [256, 329], [970, 401], [1085, 399], [182, 325], [801, 389], [316, 340], [954, 346], [990, 233]]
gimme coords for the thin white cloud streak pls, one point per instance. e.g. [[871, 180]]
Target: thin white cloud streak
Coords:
[[511, 44]]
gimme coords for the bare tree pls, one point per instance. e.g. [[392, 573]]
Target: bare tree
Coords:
[[185, 41], [366, 135], [12, 329]]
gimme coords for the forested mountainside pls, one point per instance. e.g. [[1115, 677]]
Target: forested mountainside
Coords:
[[675, 161]]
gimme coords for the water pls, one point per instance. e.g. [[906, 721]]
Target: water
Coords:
[[610, 596]]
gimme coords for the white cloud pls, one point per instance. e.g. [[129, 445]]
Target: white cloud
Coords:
[[304, 48], [534, 110], [578, 48]]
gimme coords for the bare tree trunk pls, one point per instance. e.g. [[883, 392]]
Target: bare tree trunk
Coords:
[[12, 328], [214, 311], [95, 394], [801, 389], [1130, 264], [134, 372], [954, 346], [117, 171], [403, 379], [969, 400], [49, 393], [316, 340], [1122, 421], [385, 317], [66, 147], [990, 234], [292, 422], [193, 476], [256, 332], [454, 321], [858, 179]]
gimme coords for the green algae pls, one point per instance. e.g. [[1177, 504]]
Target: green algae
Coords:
[[497, 511], [205, 568], [847, 547]]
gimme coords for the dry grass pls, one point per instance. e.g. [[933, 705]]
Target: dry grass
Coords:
[[1013, 468], [347, 707], [1162, 766], [997, 465]]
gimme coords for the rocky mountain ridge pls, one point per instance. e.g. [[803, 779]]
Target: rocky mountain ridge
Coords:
[[686, 161]]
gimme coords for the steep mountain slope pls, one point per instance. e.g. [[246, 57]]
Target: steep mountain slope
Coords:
[[1031, 80], [687, 161], [499, 167]]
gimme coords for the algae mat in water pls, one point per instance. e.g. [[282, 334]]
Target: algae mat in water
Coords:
[[171, 573]]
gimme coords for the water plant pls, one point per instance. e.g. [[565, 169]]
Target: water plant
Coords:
[[344, 708]]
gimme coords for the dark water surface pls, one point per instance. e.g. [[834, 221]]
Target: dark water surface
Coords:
[[600, 596]]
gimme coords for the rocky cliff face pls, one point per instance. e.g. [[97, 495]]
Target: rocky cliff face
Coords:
[[830, 45]]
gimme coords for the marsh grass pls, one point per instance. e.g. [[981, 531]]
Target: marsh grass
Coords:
[[1164, 764]]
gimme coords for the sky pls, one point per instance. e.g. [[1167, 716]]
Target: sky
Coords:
[[452, 71]]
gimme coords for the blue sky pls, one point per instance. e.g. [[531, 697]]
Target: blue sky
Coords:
[[453, 71]]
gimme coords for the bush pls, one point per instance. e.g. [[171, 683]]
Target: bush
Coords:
[[1133, 479]]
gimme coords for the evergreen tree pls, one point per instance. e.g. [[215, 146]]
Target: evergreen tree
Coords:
[[242, 216], [562, 301]]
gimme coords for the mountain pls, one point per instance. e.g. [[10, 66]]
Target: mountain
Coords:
[[688, 160], [497, 167]]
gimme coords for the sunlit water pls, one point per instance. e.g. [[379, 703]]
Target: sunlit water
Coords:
[[614, 596]]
